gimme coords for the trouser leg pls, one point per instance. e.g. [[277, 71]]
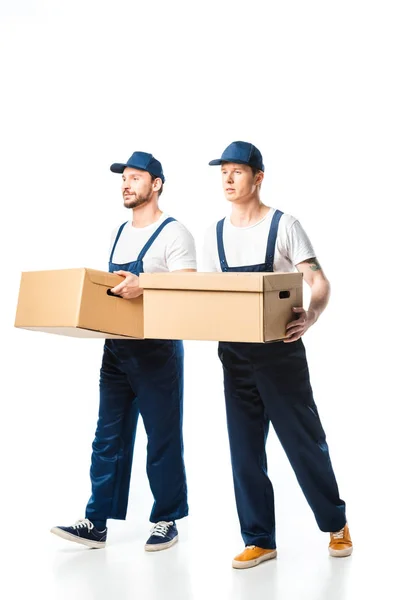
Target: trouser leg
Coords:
[[160, 401], [248, 425], [283, 381], [113, 444]]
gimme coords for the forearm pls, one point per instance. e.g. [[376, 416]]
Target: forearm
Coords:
[[320, 293]]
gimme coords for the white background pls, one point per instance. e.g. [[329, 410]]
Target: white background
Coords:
[[313, 84]]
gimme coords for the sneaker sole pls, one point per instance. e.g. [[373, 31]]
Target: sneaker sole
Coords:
[[157, 547], [247, 564], [74, 538], [341, 553]]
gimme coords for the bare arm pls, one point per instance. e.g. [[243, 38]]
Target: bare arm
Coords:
[[320, 292], [129, 287]]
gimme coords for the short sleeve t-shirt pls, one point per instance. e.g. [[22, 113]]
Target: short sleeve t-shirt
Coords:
[[246, 246], [173, 249]]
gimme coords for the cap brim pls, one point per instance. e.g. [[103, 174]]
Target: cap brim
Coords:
[[118, 167], [219, 161]]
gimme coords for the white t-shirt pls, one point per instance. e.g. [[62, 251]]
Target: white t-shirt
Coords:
[[173, 249], [246, 246]]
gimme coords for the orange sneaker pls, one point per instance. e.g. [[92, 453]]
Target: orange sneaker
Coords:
[[251, 557], [341, 544]]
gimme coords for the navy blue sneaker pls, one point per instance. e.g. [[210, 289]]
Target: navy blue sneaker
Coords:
[[83, 532], [163, 535]]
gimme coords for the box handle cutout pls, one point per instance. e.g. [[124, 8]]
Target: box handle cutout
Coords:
[[110, 293], [284, 295]]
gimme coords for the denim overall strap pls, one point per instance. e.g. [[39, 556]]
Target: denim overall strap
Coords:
[[273, 232], [153, 238], [116, 240], [220, 243]]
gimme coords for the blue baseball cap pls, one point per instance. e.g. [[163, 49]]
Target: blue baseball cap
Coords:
[[142, 161], [242, 153]]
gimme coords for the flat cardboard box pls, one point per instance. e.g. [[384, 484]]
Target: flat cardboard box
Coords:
[[75, 302], [231, 307]]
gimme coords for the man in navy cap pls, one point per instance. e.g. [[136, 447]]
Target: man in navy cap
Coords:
[[269, 383], [140, 376]]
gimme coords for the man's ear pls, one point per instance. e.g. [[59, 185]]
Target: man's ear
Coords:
[[157, 183], [259, 178]]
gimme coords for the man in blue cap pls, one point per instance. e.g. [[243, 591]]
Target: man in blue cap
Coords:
[[140, 376], [269, 383]]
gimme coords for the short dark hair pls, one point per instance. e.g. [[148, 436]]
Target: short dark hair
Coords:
[[255, 171], [153, 178]]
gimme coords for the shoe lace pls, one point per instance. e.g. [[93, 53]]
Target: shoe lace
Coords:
[[161, 528], [338, 535], [83, 523]]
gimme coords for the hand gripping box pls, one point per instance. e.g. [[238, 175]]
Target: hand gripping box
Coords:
[[231, 307], [76, 302]]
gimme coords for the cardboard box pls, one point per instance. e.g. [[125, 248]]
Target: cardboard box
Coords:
[[231, 307], [75, 302]]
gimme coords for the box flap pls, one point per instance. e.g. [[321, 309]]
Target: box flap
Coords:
[[225, 282], [103, 278], [282, 281]]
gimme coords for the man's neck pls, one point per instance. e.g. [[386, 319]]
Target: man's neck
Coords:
[[249, 213], [145, 215]]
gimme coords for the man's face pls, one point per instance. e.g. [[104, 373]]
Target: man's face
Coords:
[[137, 187], [238, 181]]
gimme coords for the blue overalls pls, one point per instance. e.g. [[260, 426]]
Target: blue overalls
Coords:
[[146, 377], [270, 383]]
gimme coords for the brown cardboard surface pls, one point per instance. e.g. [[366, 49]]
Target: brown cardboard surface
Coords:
[[75, 302], [237, 307], [77, 332], [203, 315], [243, 307], [238, 282], [277, 309]]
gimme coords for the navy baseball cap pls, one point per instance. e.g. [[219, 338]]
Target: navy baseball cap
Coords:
[[242, 153], [142, 161]]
